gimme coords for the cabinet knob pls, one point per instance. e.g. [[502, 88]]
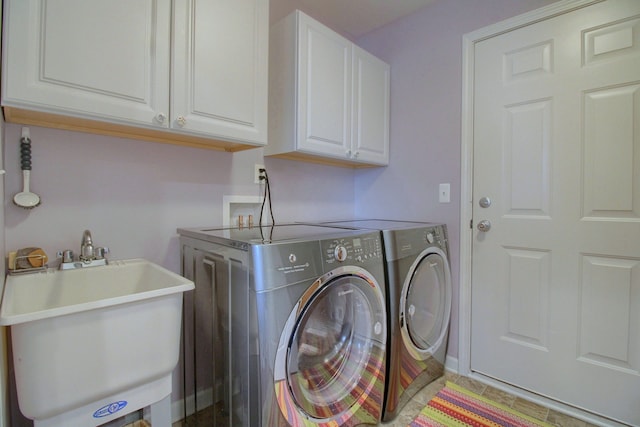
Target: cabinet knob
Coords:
[[181, 121], [348, 153], [356, 154], [161, 117]]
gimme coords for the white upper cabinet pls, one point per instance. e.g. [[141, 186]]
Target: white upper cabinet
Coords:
[[118, 67], [370, 119], [328, 98], [324, 89], [220, 64], [107, 59]]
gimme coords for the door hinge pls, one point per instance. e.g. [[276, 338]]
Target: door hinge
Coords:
[[471, 224]]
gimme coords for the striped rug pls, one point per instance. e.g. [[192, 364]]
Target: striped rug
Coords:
[[455, 406]]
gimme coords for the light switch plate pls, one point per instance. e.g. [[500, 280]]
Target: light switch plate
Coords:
[[444, 193]]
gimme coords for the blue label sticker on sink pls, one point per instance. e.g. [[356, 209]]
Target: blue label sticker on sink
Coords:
[[110, 409]]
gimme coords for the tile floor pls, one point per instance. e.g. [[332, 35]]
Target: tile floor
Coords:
[[541, 413], [416, 404]]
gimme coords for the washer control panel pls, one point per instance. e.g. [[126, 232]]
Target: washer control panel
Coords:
[[354, 250]]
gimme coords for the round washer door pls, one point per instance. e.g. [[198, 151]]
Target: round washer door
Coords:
[[331, 352], [425, 304]]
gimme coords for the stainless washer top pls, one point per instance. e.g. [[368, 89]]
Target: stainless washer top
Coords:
[[266, 234]]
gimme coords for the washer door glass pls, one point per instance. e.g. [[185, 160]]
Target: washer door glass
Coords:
[[426, 302], [332, 345]]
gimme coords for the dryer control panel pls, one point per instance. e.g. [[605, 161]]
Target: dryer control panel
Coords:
[[436, 236]]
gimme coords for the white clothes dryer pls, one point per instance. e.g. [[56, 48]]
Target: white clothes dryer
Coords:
[[300, 325], [419, 291]]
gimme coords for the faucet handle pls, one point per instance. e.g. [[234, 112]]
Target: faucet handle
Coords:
[[99, 252], [66, 255]]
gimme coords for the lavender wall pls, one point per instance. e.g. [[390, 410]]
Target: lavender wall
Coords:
[[133, 195], [425, 53]]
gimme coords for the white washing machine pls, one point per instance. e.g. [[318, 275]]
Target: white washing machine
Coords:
[[300, 327], [419, 304]]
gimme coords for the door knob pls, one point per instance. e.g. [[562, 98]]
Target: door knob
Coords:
[[484, 225], [485, 202]]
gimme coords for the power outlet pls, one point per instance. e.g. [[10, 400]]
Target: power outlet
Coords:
[[257, 174]]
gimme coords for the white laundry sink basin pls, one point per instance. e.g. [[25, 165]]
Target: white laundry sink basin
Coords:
[[92, 344]]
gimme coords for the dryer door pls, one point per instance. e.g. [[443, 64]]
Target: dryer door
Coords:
[[331, 354], [425, 304]]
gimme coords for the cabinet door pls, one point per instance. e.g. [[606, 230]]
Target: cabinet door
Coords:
[[324, 90], [370, 136], [219, 68], [88, 58]]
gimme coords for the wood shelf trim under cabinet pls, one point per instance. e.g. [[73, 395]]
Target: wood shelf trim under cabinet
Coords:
[[314, 158], [49, 120]]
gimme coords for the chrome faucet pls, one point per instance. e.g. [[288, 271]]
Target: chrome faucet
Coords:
[[86, 247], [90, 256]]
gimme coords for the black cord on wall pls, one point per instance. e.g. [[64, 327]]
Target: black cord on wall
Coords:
[[267, 194]]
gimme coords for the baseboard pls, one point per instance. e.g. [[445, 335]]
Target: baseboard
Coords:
[[451, 364], [205, 398]]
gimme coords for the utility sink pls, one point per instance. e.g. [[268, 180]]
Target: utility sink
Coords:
[[93, 344]]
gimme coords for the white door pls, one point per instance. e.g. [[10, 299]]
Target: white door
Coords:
[[98, 59], [556, 279], [219, 68], [370, 119]]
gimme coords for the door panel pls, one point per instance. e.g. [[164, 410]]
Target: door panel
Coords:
[[611, 155], [610, 286], [555, 281]]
